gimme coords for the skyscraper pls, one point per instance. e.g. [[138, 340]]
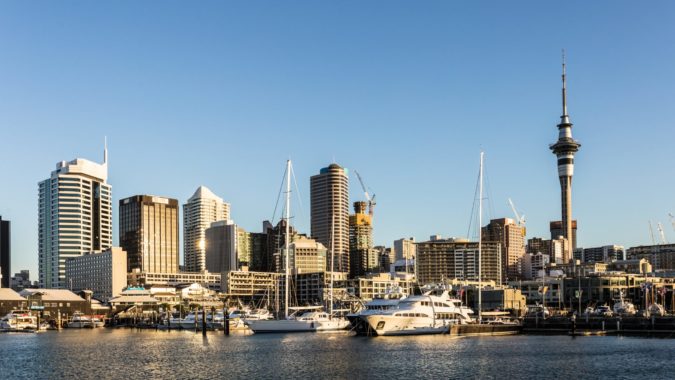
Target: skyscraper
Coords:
[[149, 233], [202, 209], [329, 197], [5, 253], [227, 247], [75, 216], [511, 237], [363, 257], [564, 149]]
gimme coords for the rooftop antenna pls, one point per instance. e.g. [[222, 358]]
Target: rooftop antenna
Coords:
[[565, 117], [105, 150]]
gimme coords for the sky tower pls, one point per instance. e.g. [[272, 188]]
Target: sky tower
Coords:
[[564, 149]]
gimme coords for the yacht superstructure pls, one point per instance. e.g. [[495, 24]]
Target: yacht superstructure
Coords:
[[431, 313]]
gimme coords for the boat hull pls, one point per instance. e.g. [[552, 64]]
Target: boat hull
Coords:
[[282, 326], [393, 326]]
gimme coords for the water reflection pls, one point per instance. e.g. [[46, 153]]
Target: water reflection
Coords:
[[110, 353]]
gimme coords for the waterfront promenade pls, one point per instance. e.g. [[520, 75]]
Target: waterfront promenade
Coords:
[[149, 354]]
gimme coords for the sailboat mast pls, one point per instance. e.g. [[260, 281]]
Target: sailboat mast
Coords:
[[332, 258], [480, 239], [287, 234]]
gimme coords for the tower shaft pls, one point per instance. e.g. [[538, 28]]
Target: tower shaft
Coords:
[[564, 149]]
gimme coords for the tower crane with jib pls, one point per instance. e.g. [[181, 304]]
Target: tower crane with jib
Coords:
[[519, 219], [371, 200]]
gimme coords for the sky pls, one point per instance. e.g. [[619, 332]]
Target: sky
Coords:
[[222, 93]]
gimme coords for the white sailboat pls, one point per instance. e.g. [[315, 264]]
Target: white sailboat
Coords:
[[333, 322], [299, 321]]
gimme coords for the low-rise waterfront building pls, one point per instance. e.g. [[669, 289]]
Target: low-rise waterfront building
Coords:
[[10, 300], [180, 279], [135, 300], [52, 301], [548, 290]]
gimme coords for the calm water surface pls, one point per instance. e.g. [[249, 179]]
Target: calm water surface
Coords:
[[132, 354]]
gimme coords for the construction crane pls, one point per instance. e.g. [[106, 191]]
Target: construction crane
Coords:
[[659, 226], [672, 219], [371, 200], [651, 232], [519, 219]]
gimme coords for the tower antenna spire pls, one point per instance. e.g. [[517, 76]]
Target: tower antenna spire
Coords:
[[564, 117], [105, 149]]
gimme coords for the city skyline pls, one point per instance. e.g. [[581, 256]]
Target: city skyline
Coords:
[[412, 127]]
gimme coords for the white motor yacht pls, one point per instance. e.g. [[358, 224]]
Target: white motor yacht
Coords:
[[81, 321], [18, 320], [189, 323], [379, 303], [624, 308], [430, 313]]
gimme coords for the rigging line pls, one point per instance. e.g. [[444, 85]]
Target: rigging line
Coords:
[[297, 189], [276, 206], [488, 192], [473, 207]]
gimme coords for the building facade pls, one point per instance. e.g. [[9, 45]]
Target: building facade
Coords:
[[604, 254], [180, 279], [556, 229], [227, 247], [405, 248], [442, 260], [202, 209], [534, 264], [661, 256], [75, 216], [329, 197], [104, 273], [512, 239], [5, 253], [362, 257], [308, 255], [149, 233]]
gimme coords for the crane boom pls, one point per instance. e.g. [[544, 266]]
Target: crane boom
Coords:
[[363, 186], [371, 200], [672, 219], [651, 233], [662, 235]]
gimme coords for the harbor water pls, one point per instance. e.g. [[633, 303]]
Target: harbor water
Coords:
[[149, 354]]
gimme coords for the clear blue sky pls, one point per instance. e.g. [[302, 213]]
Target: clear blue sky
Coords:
[[407, 93]]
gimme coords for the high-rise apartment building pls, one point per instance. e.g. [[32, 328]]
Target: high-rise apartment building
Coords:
[[5, 253], [538, 245], [149, 233], [406, 248], [441, 260], [565, 149], [227, 247], [202, 209], [604, 254], [329, 197], [512, 239], [556, 228], [75, 216], [308, 256], [363, 257], [104, 273]]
